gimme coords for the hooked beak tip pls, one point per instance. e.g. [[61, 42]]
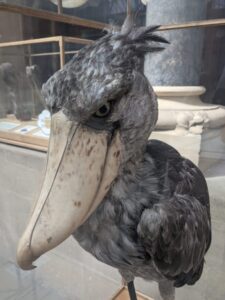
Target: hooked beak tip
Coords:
[[27, 267], [25, 258]]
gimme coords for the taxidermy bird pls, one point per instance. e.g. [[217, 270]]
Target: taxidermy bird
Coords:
[[33, 76], [7, 79], [3, 95], [20, 92], [133, 203], [23, 104]]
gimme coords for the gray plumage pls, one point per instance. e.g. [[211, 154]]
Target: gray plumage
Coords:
[[154, 222]]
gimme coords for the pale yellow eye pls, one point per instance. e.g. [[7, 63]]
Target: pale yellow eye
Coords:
[[103, 111]]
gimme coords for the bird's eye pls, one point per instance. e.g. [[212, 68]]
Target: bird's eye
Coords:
[[103, 111]]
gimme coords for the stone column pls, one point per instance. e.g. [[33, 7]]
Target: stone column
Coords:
[[180, 63], [195, 129]]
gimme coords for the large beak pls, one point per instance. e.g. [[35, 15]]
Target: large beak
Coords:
[[82, 164]]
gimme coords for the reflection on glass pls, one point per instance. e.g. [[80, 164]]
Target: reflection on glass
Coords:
[[23, 115], [20, 91], [70, 3], [196, 129]]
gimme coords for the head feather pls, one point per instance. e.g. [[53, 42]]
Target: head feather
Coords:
[[103, 68]]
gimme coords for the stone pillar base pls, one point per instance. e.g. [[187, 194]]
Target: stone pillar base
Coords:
[[194, 128]]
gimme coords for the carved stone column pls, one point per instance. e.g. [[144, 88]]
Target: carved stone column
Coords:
[[195, 129]]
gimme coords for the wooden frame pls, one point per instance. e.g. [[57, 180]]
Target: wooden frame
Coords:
[[62, 18], [52, 16], [61, 40], [193, 24], [28, 140]]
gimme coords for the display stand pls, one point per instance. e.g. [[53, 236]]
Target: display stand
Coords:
[[60, 40], [123, 294]]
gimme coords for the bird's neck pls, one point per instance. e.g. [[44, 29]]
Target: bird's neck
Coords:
[[136, 176]]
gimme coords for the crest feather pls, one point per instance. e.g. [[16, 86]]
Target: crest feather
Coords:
[[139, 37]]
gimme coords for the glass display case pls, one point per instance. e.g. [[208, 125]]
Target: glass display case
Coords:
[[37, 38], [23, 118], [21, 106]]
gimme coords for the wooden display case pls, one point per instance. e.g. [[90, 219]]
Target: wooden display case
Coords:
[[10, 127], [60, 40], [52, 16], [27, 133], [29, 139], [23, 134]]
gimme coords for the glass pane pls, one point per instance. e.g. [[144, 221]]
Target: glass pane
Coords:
[[215, 9], [189, 80], [23, 70]]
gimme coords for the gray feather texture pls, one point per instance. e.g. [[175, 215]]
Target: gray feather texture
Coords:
[[154, 222]]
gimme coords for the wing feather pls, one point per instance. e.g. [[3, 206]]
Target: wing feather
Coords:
[[176, 231]]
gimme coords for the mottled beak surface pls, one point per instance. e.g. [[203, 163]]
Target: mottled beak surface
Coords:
[[82, 164]]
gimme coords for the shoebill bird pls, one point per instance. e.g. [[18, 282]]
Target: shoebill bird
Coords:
[[133, 203]]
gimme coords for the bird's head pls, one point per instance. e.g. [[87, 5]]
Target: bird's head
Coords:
[[103, 110]]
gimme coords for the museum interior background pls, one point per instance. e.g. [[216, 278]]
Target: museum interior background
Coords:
[[37, 38]]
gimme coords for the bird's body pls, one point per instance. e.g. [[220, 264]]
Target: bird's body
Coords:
[[153, 219]]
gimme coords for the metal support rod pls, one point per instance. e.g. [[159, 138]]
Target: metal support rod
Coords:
[[129, 7], [60, 7], [131, 290], [29, 55], [62, 51]]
